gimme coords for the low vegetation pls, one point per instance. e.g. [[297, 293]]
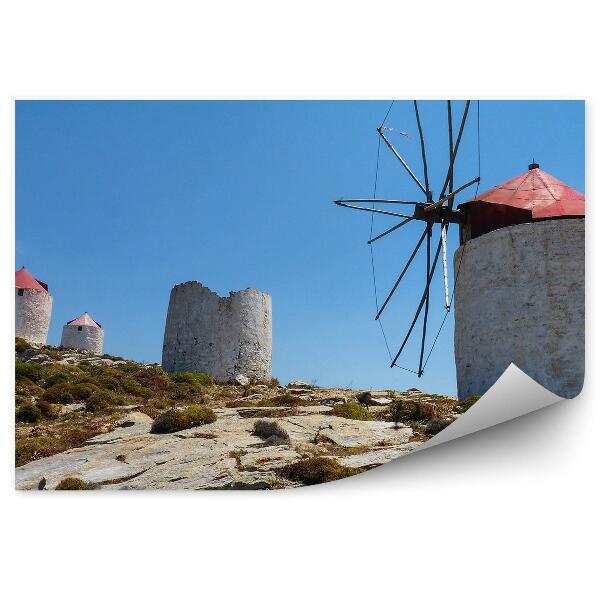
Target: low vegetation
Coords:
[[318, 469], [66, 399], [466, 404], [21, 345], [271, 432], [28, 413], [72, 483], [195, 379], [48, 438], [177, 419], [351, 410]]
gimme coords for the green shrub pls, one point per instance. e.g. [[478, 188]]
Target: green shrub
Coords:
[[21, 345], [317, 469], [69, 393], [131, 386], [177, 419], [411, 410], [101, 400], [25, 387], [32, 448], [434, 426], [28, 413], [31, 370], [271, 432], [153, 377], [351, 410], [107, 382], [290, 401], [72, 483], [111, 357], [184, 391], [56, 378], [198, 379], [50, 411], [466, 404]]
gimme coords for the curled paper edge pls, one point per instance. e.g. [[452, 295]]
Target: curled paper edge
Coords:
[[513, 395]]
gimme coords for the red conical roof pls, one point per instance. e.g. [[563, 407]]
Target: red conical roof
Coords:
[[84, 319], [536, 191], [24, 279]]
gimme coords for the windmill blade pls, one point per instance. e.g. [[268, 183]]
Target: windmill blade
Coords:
[[445, 267], [376, 201], [450, 197], [404, 164], [372, 210], [414, 253], [390, 230], [426, 315], [450, 146], [412, 326], [423, 154], [456, 146]]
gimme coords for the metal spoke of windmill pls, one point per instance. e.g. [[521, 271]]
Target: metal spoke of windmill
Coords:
[[427, 211]]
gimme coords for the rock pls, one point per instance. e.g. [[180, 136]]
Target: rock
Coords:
[[40, 358], [252, 398], [67, 408], [377, 457], [261, 386], [27, 354], [332, 400], [241, 380], [374, 399], [300, 384], [221, 455], [434, 426], [363, 397], [302, 392]]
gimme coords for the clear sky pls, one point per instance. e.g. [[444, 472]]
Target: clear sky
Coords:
[[117, 201]]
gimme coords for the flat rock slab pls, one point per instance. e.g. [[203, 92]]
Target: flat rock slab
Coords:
[[345, 432], [378, 457], [222, 455]]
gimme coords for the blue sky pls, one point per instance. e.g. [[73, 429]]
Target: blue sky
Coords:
[[118, 201]]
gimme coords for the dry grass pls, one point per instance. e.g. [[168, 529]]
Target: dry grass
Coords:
[[58, 436]]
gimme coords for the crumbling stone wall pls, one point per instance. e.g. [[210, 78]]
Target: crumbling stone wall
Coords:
[[89, 338], [33, 309], [520, 298], [223, 337]]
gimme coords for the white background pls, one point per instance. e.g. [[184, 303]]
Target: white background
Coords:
[[507, 513]]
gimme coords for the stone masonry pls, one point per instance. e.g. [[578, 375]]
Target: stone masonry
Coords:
[[33, 309], [223, 337], [519, 298]]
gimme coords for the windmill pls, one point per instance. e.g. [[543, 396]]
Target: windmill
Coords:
[[427, 211]]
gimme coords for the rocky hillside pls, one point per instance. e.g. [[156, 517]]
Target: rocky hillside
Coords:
[[86, 422]]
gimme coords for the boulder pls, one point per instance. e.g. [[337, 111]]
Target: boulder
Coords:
[[40, 358], [434, 426], [241, 380], [300, 384]]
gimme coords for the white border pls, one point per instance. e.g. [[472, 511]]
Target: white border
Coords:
[[506, 513]]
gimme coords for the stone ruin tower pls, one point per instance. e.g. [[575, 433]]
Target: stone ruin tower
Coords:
[[83, 333], [519, 292], [223, 337], [33, 308]]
